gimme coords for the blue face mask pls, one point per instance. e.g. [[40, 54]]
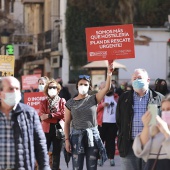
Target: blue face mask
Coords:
[[139, 84]]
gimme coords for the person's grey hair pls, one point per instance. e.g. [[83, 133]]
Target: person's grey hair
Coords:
[[4, 78], [143, 70], [45, 79]]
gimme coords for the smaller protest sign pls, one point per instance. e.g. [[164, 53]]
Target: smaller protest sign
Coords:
[[7, 65], [30, 81], [110, 42], [33, 99]]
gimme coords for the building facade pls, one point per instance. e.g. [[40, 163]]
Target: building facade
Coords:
[[45, 20]]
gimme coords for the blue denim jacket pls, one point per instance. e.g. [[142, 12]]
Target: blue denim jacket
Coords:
[[91, 133]]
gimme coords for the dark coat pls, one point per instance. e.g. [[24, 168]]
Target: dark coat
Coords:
[[124, 118], [30, 141], [64, 93]]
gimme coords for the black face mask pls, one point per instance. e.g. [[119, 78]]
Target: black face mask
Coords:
[[163, 87], [110, 93]]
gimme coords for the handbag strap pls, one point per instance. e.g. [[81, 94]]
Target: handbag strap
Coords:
[[154, 164]]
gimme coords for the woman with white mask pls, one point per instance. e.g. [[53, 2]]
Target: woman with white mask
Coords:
[[42, 81], [51, 112], [83, 139], [153, 143]]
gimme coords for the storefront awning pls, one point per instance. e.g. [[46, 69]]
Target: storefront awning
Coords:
[[103, 64]]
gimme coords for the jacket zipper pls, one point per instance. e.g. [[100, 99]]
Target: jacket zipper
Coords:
[[130, 124]]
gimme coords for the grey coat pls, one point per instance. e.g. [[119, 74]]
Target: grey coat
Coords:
[[30, 141]]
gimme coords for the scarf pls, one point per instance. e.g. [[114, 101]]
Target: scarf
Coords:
[[52, 103]]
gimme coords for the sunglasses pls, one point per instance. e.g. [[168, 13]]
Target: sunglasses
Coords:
[[84, 77], [52, 87]]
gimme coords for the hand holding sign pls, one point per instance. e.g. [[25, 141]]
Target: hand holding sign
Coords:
[[110, 67]]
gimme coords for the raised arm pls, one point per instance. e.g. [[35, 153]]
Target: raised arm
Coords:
[[102, 93]]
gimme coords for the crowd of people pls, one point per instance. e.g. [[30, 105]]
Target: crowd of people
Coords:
[[94, 119]]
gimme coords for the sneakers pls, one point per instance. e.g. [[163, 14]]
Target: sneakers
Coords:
[[99, 162], [112, 162]]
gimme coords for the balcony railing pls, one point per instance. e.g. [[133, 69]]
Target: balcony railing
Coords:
[[26, 50], [44, 40]]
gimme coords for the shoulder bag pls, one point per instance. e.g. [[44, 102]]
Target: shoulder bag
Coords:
[[154, 164]]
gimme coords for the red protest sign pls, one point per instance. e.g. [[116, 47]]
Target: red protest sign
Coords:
[[110, 42], [33, 99], [29, 81]]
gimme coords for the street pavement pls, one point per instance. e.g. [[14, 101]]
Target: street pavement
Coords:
[[106, 165]]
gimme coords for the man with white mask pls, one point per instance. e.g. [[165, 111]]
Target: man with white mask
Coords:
[[130, 108], [22, 140]]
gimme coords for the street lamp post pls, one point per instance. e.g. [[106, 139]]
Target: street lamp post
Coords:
[[4, 37]]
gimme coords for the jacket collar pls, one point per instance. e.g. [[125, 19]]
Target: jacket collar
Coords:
[[152, 94], [18, 109]]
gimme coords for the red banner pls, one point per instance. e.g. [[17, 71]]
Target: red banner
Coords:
[[110, 42], [30, 81], [33, 99]]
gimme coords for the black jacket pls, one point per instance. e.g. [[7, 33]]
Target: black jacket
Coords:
[[64, 93], [124, 118]]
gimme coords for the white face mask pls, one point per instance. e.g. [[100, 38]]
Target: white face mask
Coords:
[[52, 92], [41, 87], [83, 89], [11, 99]]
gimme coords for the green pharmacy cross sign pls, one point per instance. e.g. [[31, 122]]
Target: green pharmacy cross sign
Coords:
[[9, 49]]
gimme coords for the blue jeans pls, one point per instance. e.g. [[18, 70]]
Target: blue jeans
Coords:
[[91, 154], [131, 162]]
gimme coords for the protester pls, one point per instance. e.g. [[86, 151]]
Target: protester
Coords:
[[122, 88], [64, 92], [42, 81], [21, 136], [153, 143], [129, 88], [84, 140], [130, 108], [114, 84], [106, 112], [51, 112], [161, 86]]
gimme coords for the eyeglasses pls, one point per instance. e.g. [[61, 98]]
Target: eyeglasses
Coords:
[[52, 87], [84, 76]]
